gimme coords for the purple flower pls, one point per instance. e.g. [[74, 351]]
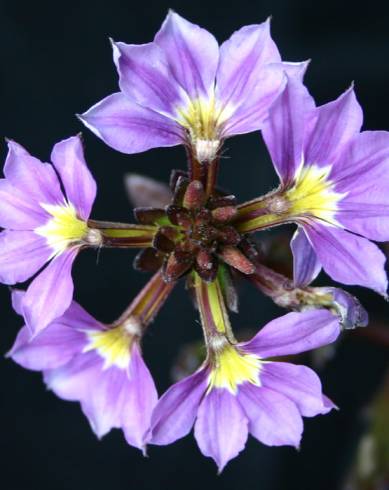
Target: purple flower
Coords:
[[99, 366], [334, 185], [237, 391], [44, 210], [184, 88]]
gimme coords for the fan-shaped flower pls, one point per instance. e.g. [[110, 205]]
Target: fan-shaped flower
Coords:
[[334, 185], [98, 365], [183, 88], [238, 391], [45, 210]]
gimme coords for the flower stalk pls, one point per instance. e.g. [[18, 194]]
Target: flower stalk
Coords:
[[213, 313], [121, 235], [146, 305]]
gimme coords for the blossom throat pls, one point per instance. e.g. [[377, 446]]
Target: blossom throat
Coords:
[[63, 228], [203, 120], [232, 367]]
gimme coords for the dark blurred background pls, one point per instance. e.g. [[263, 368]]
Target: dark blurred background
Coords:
[[56, 61]]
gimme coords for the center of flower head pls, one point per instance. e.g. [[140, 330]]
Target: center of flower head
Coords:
[[313, 194], [63, 228], [232, 367], [203, 121], [195, 232], [113, 345]]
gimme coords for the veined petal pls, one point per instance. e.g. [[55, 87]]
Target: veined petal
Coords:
[[110, 398], [76, 317], [53, 347], [306, 265], [29, 175], [140, 398], [294, 333], [221, 427], [80, 187], [22, 254], [103, 402], [192, 54], [74, 380], [176, 411], [58, 343], [240, 71], [145, 76], [50, 293], [337, 123], [348, 258], [284, 130], [251, 114], [298, 383], [274, 418], [362, 173], [18, 211], [130, 128], [296, 69]]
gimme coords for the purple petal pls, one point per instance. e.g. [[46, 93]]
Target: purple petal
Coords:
[[36, 179], [129, 127], [192, 54], [241, 74], [50, 293], [176, 411], [298, 383], [329, 404], [140, 398], [296, 70], [18, 211], [294, 333], [221, 427], [145, 76], [306, 265], [77, 317], [285, 129], [22, 254], [362, 173], [17, 300], [103, 404], [251, 114], [348, 258], [337, 123], [80, 187], [352, 313], [74, 380], [110, 398], [273, 418], [52, 348], [58, 343]]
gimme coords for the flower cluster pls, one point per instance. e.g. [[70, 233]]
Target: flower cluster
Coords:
[[183, 88]]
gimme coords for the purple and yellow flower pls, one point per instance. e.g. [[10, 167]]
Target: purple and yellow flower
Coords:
[[100, 366], [45, 215], [44, 210], [334, 185], [238, 390], [182, 88]]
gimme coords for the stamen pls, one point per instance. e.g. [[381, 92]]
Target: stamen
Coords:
[[204, 123]]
